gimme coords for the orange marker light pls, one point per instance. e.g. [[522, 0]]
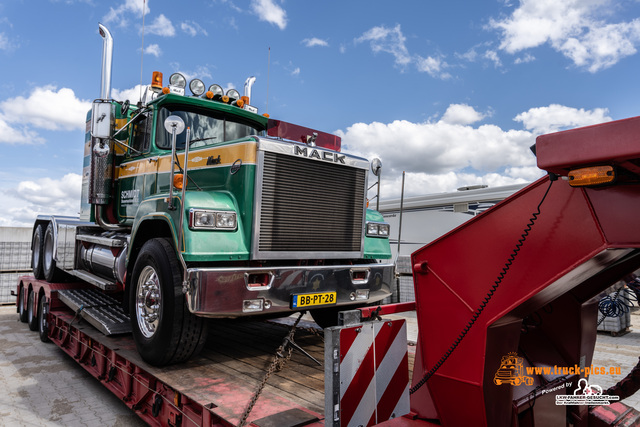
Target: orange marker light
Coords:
[[245, 99], [266, 115], [156, 80], [178, 181], [240, 103], [225, 99], [209, 94], [596, 175], [166, 90]]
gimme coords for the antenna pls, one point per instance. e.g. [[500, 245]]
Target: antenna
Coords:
[[268, 68], [144, 6]]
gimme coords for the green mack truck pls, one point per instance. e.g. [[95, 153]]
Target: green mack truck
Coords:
[[196, 206]]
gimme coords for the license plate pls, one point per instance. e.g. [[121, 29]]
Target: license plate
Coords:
[[308, 300]]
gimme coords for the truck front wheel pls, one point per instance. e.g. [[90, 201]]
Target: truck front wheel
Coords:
[[164, 330]]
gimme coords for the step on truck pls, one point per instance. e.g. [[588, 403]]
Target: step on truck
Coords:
[[196, 206]]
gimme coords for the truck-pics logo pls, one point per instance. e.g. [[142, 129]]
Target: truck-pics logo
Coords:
[[511, 371]]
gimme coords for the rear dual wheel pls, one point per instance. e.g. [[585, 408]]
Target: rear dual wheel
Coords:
[[36, 252], [164, 329], [49, 270], [32, 317]]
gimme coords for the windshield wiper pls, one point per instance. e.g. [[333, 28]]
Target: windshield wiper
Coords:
[[201, 139]]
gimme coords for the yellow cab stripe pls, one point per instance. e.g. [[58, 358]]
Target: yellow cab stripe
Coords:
[[197, 160]]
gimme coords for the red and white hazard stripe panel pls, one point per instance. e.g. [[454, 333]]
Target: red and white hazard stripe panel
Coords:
[[373, 374]]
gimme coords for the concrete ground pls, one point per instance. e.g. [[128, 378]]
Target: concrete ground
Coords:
[[42, 386]]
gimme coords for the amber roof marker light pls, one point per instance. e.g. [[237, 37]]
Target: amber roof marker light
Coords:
[[592, 176]]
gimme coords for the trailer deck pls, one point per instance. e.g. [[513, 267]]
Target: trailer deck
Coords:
[[211, 389]]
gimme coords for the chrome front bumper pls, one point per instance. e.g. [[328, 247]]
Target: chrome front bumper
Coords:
[[223, 292]]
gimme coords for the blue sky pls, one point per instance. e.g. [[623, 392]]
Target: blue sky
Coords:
[[452, 92]]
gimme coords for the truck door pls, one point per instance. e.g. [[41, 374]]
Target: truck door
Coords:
[[137, 173]]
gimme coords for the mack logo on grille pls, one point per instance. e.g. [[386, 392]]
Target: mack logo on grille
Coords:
[[320, 155]]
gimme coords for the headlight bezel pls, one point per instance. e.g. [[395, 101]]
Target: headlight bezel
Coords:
[[377, 229], [221, 220]]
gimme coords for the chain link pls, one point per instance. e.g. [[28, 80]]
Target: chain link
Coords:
[[280, 359]]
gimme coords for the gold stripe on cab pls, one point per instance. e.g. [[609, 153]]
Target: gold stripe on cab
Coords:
[[199, 159]]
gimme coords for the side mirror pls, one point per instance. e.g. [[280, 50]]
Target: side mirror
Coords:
[[102, 118], [376, 165]]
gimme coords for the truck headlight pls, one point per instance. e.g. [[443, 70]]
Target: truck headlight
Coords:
[[212, 220], [226, 220], [378, 229]]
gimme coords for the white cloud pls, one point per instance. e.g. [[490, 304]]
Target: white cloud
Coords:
[[269, 11], [132, 94], [393, 41], [17, 134], [388, 40], [558, 117], [525, 59], [314, 41], [452, 152], [576, 28], [161, 26], [296, 71], [437, 148], [42, 196], [153, 49], [5, 44], [433, 66], [42, 109], [492, 56], [192, 28], [120, 13], [461, 114]]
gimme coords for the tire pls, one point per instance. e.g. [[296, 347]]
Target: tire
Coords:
[[22, 309], [43, 321], [164, 330], [32, 317], [36, 252], [50, 271]]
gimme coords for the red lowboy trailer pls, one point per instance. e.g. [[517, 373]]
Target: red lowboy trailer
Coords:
[[527, 292]]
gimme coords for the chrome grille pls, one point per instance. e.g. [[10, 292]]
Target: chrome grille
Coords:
[[310, 206]]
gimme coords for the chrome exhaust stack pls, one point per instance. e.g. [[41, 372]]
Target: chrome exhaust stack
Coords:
[[247, 87], [107, 59]]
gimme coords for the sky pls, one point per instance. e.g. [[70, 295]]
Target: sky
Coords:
[[452, 92]]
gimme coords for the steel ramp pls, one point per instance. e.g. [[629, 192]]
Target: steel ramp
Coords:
[[102, 311]]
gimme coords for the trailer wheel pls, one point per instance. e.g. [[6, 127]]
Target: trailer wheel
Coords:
[[36, 253], [50, 271], [43, 321], [22, 309], [164, 330], [32, 318]]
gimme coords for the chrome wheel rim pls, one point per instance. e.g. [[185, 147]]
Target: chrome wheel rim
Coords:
[[148, 301]]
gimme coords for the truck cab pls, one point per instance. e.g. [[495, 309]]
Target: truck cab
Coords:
[[196, 206]]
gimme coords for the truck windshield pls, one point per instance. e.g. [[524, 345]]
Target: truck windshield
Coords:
[[207, 128]]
